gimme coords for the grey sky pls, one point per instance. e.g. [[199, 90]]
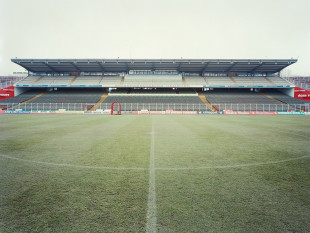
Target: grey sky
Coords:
[[155, 29]]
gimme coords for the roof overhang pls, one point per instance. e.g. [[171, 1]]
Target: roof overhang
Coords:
[[180, 65]]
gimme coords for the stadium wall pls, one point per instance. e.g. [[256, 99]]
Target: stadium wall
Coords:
[[20, 90], [287, 91]]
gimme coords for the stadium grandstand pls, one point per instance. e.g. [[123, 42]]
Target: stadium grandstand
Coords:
[[6, 81], [211, 85], [302, 82]]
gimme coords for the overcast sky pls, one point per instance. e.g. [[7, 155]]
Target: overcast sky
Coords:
[[255, 29]]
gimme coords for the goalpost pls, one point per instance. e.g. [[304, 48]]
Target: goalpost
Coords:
[[3, 107], [118, 110]]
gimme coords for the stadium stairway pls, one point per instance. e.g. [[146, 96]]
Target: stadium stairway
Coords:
[[206, 80], [233, 80], [205, 101], [102, 99], [75, 77], [269, 80], [272, 98], [37, 96], [38, 79], [122, 80]]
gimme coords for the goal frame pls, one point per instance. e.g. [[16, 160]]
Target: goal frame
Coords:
[[3, 107], [119, 112]]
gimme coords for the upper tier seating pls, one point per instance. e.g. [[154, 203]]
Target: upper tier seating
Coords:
[[87, 80], [111, 81], [195, 80], [46, 80], [279, 81], [153, 81], [219, 81], [30, 80], [246, 81], [107, 81]]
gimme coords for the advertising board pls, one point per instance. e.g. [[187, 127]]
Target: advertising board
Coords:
[[16, 112], [291, 113], [229, 112], [6, 93], [302, 94]]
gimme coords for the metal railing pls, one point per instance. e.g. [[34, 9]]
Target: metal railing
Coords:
[[154, 107]]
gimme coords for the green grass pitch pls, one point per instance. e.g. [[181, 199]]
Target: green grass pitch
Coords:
[[92, 173]]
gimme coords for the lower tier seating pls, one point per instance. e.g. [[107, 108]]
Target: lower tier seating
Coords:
[[136, 99], [246, 100]]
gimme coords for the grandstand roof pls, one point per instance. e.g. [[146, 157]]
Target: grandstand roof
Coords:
[[180, 65]]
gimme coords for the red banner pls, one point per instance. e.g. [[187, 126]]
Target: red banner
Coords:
[[7, 92], [302, 94]]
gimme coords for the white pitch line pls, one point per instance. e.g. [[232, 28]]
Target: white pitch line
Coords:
[[151, 204], [233, 166], [72, 165], [159, 168]]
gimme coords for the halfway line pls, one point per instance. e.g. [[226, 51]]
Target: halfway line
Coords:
[[151, 204]]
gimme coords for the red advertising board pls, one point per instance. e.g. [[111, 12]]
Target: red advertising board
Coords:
[[7, 92], [302, 94]]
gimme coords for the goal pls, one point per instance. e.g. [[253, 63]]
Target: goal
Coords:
[[116, 108]]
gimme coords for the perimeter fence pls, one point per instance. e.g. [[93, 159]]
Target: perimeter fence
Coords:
[[153, 107]]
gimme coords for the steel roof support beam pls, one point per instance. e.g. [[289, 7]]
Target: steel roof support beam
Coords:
[[204, 69], [127, 68], [50, 67], [153, 67], [101, 66], [179, 67], [25, 67], [256, 68], [75, 66], [231, 67]]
